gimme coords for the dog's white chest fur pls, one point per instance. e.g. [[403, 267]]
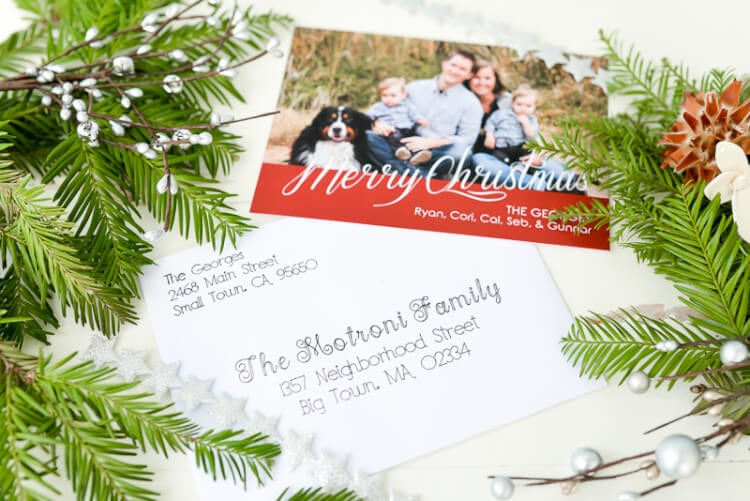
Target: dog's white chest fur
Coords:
[[334, 155]]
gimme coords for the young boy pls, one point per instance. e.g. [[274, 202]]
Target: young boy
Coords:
[[401, 115], [508, 129]]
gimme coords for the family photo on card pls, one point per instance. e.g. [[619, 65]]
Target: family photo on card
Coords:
[[427, 108], [425, 134]]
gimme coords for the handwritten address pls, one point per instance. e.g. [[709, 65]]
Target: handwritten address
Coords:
[[377, 356], [211, 282]]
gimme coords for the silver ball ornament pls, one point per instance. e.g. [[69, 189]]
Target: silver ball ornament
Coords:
[[585, 459], [733, 352], [638, 382], [678, 456], [502, 487]]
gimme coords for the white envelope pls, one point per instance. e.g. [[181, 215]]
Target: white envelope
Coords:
[[384, 344]]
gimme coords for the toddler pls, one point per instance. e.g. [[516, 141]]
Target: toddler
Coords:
[[508, 129], [398, 112]]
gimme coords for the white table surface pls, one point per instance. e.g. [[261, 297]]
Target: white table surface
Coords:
[[612, 420]]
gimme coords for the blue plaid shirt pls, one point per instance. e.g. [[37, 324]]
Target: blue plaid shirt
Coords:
[[507, 130], [402, 115]]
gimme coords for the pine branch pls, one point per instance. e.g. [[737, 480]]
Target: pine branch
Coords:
[[17, 49], [666, 219], [18, 297], [33, 130], [205, 209], [705, 259], [604, 346], [46, 112], [595, 214], [23, 300], [100, 424], [38, 240], [24, 462], [695, 247], [319, 495], [713, 81], [151, 425], [218, 452], [106, 231], [634, 76], [619, 153]]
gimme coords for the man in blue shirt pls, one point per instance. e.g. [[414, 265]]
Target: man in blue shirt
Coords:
[[454, 116]]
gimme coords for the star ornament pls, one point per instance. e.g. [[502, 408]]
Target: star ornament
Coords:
[[370, 487], [228, 410], [551, 56], [523, 43], [733, 184], [131, 364], [268, 425], [193, 393], [602, 79], [101, 350], [162, 378], [297, 449], [579, 67], [332, 471]]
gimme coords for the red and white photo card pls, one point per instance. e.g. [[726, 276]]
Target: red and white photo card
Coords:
[[428, 135]]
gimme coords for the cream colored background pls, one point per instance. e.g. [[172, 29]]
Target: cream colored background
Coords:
[[700, 34]]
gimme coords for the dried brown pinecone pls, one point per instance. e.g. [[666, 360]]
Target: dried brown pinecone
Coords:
[[706, 119]]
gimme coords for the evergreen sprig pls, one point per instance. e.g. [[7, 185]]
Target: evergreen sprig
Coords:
[[97, 426], [670, 225], [611, 345], [319, 495], [86, 247], [698, 249], [38, 254], [656, 89]]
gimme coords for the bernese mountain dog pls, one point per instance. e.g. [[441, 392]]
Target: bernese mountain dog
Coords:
[[335, 139]]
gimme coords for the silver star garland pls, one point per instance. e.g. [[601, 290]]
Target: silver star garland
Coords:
[[131, 364], [228, 410], [551, 56], [162, 378], [100, 350], [297, 449], [193, 393], [523, 44], [267, 425], [332, 471], [370, 487], [579, 67], [602, 78]]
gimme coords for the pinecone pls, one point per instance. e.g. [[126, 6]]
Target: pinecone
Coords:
[[706, 120]]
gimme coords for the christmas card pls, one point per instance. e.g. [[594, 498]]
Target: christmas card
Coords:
[[396, 131]]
